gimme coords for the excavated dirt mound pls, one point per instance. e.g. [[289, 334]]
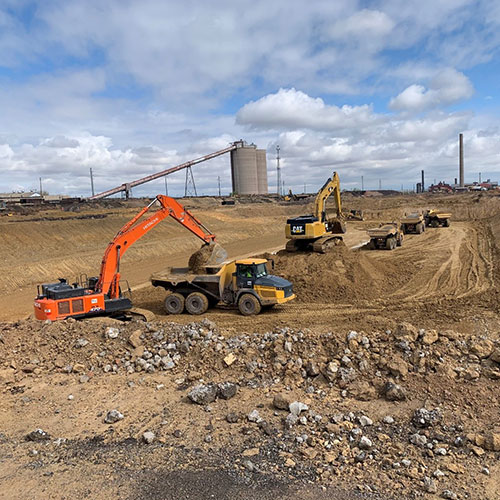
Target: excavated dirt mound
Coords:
[[341, 275]]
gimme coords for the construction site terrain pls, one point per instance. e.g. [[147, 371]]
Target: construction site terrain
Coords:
[[381, 380]]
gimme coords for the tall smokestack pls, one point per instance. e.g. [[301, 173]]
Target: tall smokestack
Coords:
[[461, 159], [423, 184]]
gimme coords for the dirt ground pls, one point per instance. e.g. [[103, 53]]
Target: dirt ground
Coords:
[[425, 317]]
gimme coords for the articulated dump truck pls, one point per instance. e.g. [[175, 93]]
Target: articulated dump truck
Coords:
[[435, 218], [244, 283], [413, 223], [387, 236]]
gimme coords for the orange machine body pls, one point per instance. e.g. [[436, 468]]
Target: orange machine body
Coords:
[[102, 295]]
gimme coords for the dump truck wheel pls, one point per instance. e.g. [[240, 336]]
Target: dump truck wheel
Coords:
[[174, 303], [434, 223], [419, 228], [400, 240], [372, 245], [390, 243], [196, 303], [248, 304], [446, 223]]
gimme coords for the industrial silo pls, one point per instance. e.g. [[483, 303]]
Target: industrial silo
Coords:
[[262, 171], [244, 170]]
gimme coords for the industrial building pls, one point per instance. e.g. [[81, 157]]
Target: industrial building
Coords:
[[248, 169]]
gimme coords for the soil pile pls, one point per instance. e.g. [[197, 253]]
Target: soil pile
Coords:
[[341, 275]]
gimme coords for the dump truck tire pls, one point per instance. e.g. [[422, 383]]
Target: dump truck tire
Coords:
[[400, 240], [446, 223], [434, 223], [196, 303], [249, 305], [419, 228], [372, 245], [174, 303], [390, 243]]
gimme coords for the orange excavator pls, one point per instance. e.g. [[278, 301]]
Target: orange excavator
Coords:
[[102, 295]]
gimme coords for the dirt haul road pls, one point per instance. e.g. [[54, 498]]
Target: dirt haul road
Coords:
[[396, 355]]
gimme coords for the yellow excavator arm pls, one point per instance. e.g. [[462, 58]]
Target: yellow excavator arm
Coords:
[[331, 186]]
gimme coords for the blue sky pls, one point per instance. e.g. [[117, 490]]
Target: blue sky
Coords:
[[380, 89]]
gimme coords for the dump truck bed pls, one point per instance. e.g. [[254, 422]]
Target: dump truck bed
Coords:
[[381, 232], [412, 219]]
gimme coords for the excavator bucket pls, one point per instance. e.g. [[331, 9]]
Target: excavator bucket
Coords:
[[336, 226], [210, 254]]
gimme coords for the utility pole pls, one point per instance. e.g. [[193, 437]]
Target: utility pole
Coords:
[[278, 170], [92, 181], [166, 186], [362, 184], [218, 181], [479, 177], [305, 186], [41, 192], [380, 183]]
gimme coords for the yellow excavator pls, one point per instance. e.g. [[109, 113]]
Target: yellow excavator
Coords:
[[316, 231]]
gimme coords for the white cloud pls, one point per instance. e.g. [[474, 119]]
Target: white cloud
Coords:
[[290, 108], [447, 87]]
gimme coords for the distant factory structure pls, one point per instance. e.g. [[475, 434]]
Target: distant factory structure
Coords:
[[248, 169]]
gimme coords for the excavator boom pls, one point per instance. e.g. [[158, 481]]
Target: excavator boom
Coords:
[[331, 186]]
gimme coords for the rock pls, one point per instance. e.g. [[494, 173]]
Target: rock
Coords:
[[393, 392], [203, 394], [111, 332], [388, 419], [398, 366], [229, 359], [426, 418], [365, 421], [406, 331], [254, 416], [449, 494], [135, 339], [312, 369], [38, 435], [249, 466], [495, 356], [430, 485], [113, 416], [289, 463], [363, 390], [482, 348], [251, 452], [281, 401], [232, 418], [297, 407], [331, 371], [365, 443], [226, 390], [78, 368], [291, 420], [81, 343], [429, 337], [418, 439], [84, 379], [148, 437], [492, 441]]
